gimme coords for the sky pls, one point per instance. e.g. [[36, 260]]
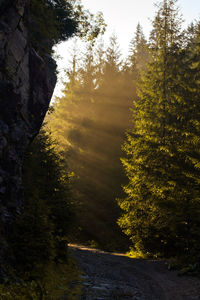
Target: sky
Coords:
[[122, 17]]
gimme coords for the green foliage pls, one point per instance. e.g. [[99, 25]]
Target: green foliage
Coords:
[[162, 206], [133, 253], [34, 243], [54, 21], [51, 22], [89, 122], [19, 291], [46, 178], [138, 53], [39, 234], [58, 280], [47, 189], [162, 202], [186, 265]]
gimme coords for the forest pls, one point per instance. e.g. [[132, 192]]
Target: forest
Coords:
[[116, 165], [134, 123]]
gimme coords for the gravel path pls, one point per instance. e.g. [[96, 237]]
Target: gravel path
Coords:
[[111, 276]]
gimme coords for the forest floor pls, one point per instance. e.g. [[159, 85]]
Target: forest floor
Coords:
[[113, 276]]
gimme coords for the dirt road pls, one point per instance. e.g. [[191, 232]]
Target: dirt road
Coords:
[[111, 276]]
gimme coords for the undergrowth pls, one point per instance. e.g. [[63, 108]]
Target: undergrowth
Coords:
[[132, 253], [59, 280], [184, 265]]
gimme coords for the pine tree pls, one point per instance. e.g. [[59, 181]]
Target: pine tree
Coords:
[[190, 134], [113, 55], [138, 52], [91, 118], [54, 21], [41, 229], [136, 63], [51, 22], [157, 193], [100, 62]]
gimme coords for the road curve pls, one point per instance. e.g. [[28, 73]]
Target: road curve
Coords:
[[112, 276]]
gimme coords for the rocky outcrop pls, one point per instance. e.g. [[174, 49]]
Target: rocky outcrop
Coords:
[[27, 82]]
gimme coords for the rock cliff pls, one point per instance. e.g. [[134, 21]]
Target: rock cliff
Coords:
[[27, 82]]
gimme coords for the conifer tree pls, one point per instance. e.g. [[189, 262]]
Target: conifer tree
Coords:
[[41, 229], [190, 136], [138, 52], [136, 63], [156, 197], [100, 62], [54, 21], [91, 118]]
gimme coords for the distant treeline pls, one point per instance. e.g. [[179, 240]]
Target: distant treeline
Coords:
[[159, 81], [89, 123]]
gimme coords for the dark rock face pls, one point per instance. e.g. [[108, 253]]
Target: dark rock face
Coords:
[[27, 82]]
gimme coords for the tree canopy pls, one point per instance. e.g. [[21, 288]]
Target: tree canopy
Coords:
[[162, 148], [54, 21]]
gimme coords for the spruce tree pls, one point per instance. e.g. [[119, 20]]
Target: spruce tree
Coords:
[[91, 118], [41, 228], [155, 194], [138, 53], [190, 146]]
